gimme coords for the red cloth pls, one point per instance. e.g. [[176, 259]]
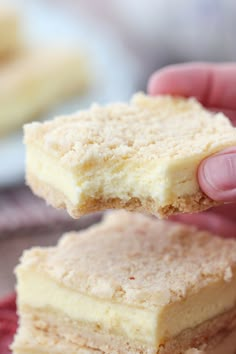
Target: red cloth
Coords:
[[8, 323]]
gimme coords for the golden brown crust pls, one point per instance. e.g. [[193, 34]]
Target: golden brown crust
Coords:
[[188, 204], [204, 339]]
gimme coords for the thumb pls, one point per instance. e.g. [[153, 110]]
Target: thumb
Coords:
[[217, 176]]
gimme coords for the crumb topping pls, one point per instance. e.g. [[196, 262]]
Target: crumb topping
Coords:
[[147, 127], [136, 259]]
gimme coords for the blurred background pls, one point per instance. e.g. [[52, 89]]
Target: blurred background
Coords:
[[59, 56]]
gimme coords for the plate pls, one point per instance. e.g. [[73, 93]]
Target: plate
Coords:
[[113, 70]]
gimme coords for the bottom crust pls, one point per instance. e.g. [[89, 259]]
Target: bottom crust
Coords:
[[186, 204], [47, 332], [227, 346]]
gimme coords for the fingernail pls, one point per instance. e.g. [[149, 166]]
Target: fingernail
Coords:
[[219, 172]]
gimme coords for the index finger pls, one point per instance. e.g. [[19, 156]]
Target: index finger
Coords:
[[214, 85]]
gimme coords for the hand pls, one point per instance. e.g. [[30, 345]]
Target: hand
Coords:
[[214, 85]]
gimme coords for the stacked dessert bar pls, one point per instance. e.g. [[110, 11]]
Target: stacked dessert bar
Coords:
[[131, 284]]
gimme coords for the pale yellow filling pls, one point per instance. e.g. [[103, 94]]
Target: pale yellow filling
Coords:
[[150, 326], [162, 180]]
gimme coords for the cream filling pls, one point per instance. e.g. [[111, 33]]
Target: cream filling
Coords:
[[149, 326], [162, 181]]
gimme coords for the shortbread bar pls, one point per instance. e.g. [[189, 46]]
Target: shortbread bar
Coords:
[[141, 156], [10, 32], [36, 81], [131, 284]]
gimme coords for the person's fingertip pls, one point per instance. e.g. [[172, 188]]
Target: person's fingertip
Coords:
[[164, 81], [153, 84], [217, 176], [175, 80]]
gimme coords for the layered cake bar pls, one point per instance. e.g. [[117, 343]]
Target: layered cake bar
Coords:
[[141, 156], [131, 284], [37, 80]]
